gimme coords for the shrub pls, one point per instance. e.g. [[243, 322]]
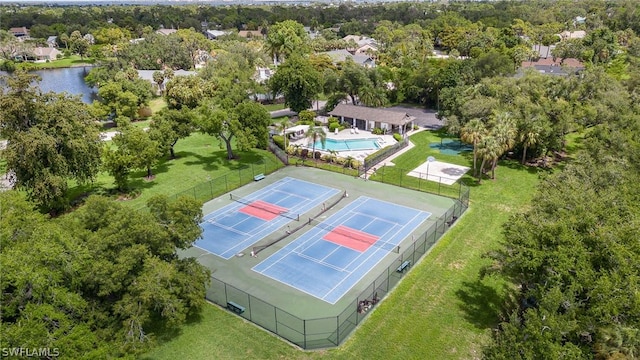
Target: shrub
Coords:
[[145, 112], [332, 119], [317, 155], [304, 153], [398, 137], [8, 66], [416, 127], [377, 131], [291, 150], [279, 140], [307, 115], [333, 126]]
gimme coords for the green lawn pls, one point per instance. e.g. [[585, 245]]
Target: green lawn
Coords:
[[73, 60], [157, 104], [274, 107], [199, 158], [142, 124], [441, 310]]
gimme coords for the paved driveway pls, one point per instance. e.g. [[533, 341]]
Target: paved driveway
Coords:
[[425, 118]]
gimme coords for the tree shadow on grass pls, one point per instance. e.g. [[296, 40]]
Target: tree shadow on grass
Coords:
[[138, 179], [516, 165], [164, 333], [218, 160], [482, 304]]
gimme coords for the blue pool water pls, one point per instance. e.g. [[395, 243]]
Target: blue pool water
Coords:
[[348, 144]]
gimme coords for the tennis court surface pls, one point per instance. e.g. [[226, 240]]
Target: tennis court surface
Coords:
[[330, 258], [237, 226]]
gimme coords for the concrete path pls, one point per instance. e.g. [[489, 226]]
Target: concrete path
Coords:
[[389, 161]]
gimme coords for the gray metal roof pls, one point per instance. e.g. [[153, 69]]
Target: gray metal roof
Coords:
[[371, 114]]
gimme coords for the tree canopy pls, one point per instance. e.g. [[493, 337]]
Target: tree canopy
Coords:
[[95, 285], [574, 255], [51, 139], [298, 80]]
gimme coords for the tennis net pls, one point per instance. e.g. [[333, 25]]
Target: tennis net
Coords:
[[346, 233], [258, 205]]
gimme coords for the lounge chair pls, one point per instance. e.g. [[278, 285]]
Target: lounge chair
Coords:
[[351, 130], [356, 130], [336, 131]]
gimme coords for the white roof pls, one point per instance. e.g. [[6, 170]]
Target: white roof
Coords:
[[295, 129]]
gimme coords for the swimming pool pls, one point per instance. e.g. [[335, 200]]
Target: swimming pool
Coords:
[[348, 144]]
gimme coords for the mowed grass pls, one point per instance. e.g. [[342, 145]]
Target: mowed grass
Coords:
[[70, 61], [443, 309], [199, 158]]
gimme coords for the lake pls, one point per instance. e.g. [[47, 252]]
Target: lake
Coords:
[[70, 80]]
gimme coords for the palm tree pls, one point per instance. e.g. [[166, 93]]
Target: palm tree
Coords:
[[333, 154], [372, 96], [529, 136], [283, 125], [489, 149], [158, 78], [472, 133], [348, 161], [505, 132], [314, 134]]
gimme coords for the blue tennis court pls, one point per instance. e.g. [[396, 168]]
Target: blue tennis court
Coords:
[[241, 224], [328, 260]]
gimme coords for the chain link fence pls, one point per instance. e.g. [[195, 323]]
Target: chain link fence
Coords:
[[232, 180], [332, 331]]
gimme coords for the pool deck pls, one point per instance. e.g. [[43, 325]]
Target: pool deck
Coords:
[[384, 140]]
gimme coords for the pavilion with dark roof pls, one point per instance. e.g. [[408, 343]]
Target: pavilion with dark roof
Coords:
[[367, 118]]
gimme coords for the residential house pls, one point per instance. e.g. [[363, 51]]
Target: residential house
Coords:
[[215, 34], [165, 31], [52, 41], [543, 51], [263, 74], [363, 44], [367, 118], [46, 53], [554, 67], [578, 34], [20, 32], [339, 56]]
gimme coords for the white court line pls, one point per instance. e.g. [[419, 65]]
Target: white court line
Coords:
[[320, 262], [343, 218], [368, 257], [232, 229]]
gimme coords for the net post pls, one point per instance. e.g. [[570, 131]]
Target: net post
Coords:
[[230, 196]]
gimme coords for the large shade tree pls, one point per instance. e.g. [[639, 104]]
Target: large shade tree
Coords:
[[97, 286], [298, 81], [169, 126], [285, 38], [246, 124], [51, 139]]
